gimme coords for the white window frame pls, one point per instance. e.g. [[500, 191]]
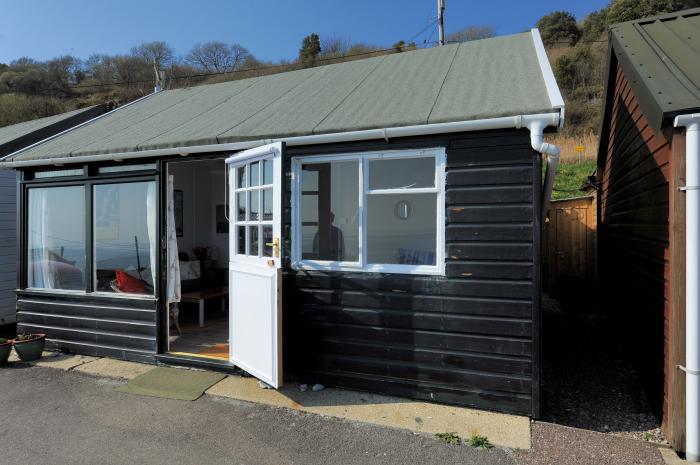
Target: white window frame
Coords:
[[363, 159]]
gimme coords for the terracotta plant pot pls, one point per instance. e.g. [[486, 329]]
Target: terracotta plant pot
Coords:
[[5, 349], [31, 348]]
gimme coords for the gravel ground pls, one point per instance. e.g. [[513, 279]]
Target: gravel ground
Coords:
[[556, 444], [587, 381]]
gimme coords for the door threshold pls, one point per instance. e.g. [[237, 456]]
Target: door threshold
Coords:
[[195, 361]]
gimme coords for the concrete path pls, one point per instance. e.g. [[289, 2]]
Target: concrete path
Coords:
[[65, 417]]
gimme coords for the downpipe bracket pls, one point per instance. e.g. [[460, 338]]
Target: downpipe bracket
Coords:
[[688, 370]]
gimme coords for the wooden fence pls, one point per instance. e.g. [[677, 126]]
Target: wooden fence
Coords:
[[570, 249]]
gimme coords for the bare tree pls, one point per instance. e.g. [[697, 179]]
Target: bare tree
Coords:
[[156, 53], [218, 57], [334, 46], [472, 33]]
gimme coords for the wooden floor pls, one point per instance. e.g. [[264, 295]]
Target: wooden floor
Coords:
[[210, 341]]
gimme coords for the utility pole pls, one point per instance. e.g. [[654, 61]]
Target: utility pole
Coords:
[[441, 29], [159, 77]]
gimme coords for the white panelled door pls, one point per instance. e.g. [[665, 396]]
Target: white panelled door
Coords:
[[255, 275]]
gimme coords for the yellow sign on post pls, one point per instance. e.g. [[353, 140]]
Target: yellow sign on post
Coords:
[[579, 148]]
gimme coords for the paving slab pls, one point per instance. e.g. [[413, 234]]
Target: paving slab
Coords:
[[63, 361], [110, 368], [670, 457], [501, 429]]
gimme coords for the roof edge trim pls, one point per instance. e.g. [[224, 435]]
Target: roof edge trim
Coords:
[[84, 123], [550, 81], [506, 122]]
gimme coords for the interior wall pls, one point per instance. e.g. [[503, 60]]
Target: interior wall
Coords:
[[202, 186]]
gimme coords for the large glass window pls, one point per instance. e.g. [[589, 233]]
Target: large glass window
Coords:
[[125, 237], [375, 212], [56, 238], [330, 212]]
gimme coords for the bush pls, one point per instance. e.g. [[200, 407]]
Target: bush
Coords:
[[558, 27]]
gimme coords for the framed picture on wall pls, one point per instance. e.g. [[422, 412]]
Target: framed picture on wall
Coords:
[[179, 215]]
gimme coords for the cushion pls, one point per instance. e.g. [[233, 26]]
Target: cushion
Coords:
[[190, 270], [128, 284]]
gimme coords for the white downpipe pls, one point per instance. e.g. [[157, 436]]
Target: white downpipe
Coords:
[[551, 151], [692, 284]]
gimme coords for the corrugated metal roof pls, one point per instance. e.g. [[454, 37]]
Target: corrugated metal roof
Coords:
[[661, 59], [15, 131], [494, 77]]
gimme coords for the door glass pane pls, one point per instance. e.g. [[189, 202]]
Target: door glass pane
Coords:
[[254, 174], [56, 238], [267, 204], [402, 229], [124, 237], [402, 173], [254, 197], [267, 172], [241, 177], [240, 200], [335, 237], [267, 241], [253, 231], [241, 240]]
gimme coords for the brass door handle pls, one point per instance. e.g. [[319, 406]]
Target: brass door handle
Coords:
[[275, 246]]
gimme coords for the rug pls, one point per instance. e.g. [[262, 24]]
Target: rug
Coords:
[[172, 383]]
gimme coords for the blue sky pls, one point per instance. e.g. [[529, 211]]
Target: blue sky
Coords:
[[270, 29]]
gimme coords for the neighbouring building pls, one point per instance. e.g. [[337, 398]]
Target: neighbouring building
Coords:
[[13, 138], [648, 210]]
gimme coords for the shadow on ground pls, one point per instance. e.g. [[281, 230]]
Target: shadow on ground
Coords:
[[588, 380]]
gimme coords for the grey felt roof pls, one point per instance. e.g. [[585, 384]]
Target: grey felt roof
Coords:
[[473, 80], [660, 57], [19, 135]]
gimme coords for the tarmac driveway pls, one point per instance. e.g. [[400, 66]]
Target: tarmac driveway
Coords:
[[58, 417], [51, 416]]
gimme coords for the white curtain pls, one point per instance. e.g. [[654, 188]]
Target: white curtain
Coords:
[[173, 289], [151, 215], [39, 240]]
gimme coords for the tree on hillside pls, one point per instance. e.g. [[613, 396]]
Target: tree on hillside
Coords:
[[334, 47], [558, 27], [628, 10], [217, 57], [402, 46], [310, 49], [471, 33], [594, 25], [156, 53]]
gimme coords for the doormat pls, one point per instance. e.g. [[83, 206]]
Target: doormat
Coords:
[[172, 383]]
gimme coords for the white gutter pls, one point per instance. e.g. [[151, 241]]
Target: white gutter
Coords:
[[692, 284], [535, 123]]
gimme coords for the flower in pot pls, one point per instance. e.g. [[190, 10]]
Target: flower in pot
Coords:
[[29, 346], [5, 349]]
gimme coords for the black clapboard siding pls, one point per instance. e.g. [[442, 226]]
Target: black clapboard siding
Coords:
[[91, 324], [434, 357], [421, 303], [417, 320], [469, 337]]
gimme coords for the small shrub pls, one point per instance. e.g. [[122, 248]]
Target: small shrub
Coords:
[[449, 438], [480, 442], [3, 340]]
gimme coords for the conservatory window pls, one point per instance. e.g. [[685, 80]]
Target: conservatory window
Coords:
[[125, 237], [380, 212], [56, 238]]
